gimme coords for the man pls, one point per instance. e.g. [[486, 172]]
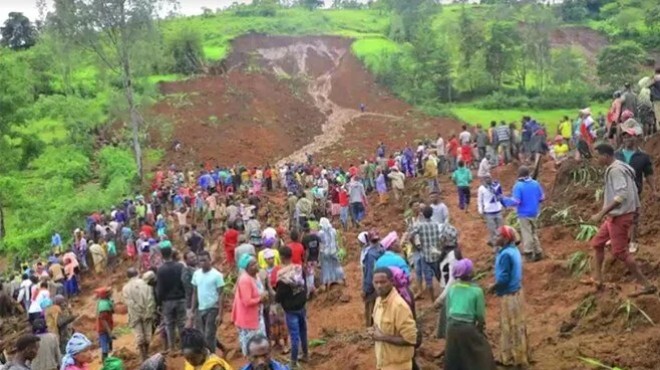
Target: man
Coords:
[[464, 137], [484, 167], [357, 198], [527, 196], [395, 330], [259, 355], [208, 299], [440, 210], [26, 348], [171, 296], [629, 100], [632, 155], [56, 243], [291, 202], [431, 174], [620, 203], [503, 134], [369, 256], [397, 179], [441, 153], [190, 260], [139, 298], [304, 210], [655, 94], [48, 356], [490, 207], [462, 177], [58, 318], [195, 241], [428, 233], [8, 306], [565, 129], [481, 138], [291, 293]]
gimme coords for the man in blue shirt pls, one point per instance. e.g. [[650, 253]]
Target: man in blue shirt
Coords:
[[56, 243], [527, 196], [259, 354]]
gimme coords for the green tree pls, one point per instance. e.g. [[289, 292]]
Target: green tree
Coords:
[[311, 4], [501, 51], [432, 77], [18, 33], [413, 15], [619, 63], [568, 67], [538, 24], [471, 42], [115, 30], [16, 90], [186, 48], [573, 10]]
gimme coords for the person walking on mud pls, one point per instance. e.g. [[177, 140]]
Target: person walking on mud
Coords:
[[527, 196], [490, 207], [641, 162], [620, 203], [139, 298]]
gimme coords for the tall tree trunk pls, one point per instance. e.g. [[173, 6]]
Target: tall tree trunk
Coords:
[[2, 222], [128, 89]]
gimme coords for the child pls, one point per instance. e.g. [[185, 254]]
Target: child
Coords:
[[462, 177], [104, 321]]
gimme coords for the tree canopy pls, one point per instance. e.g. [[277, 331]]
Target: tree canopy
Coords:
[[18, 32]]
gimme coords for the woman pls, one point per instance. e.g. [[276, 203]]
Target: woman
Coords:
[[448, 257], [331, 270], [78, 354], [273, 312], [392, 256], [71, 282], [197, 355], [248, 299], [508, 286], [467, 347], [161, 226], [381, 186]]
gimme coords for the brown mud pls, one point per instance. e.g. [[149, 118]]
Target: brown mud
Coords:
[[268, 120]]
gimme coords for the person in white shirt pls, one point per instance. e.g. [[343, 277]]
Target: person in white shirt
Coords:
[[465, 137], [484, 167], [441, 153], [490, 207]]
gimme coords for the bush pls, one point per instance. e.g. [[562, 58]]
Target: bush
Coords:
[[116, 163], [258, 8], [574, 97], [187, 52], [62, 162]]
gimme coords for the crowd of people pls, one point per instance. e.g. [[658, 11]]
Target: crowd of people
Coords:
[[177, 288]]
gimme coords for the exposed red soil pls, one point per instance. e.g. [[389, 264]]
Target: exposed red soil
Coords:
[[553, 295], [586, 39]]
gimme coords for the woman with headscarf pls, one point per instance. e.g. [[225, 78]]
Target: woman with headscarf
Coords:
[[331, 270], [513, 347], [392, 256], [467, 346], [78, 354], [248, 299]]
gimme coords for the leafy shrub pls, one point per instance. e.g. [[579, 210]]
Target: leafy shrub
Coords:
[[62, 162], [116, 163], [258, 8]]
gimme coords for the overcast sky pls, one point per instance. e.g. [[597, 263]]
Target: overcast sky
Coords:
[[29, 7]]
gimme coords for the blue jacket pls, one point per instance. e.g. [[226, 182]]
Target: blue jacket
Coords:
[[527, 197], [508, 270], [273, 365], [370, 258]]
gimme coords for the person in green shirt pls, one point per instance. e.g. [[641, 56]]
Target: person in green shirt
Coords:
[[467, 346], [462, 177]]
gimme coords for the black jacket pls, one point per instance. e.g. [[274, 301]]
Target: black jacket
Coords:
[[289, 299]]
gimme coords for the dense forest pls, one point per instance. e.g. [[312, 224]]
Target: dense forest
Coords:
[[76, 85]]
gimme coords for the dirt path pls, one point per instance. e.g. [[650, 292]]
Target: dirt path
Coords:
[[319, 88]]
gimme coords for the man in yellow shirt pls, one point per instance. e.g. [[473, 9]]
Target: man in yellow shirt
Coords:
[[394, 331], [431, 173], [565, 129], [560, 149]]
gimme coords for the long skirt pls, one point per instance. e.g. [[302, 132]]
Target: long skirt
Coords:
[[513, 341], [441, 332], [331, 270], [467, 348], [277, 324], [244, 335], [71, 287]]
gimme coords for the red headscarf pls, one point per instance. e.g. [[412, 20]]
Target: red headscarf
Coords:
[[508, 233]]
